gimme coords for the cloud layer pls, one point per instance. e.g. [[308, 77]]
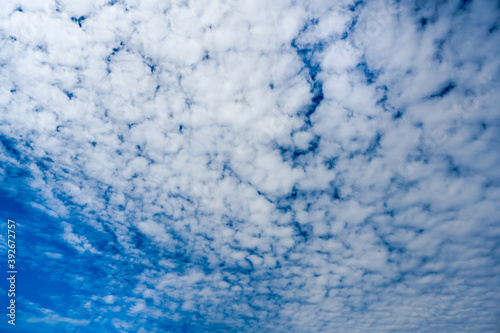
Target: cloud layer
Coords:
[[236, 166]]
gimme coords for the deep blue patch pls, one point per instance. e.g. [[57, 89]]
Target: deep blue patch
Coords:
[[306, 54], [374, 145], [464, 4], [336, 194], [303, 231], [318, 98], [297, 156], [383, 100], [69, 94], [423, 21], [42, 166], [78, 20], [370, 76], [397, 115], [493, 28], [43, 163], [16, 174], [351, 28], [444, 91], [355, 6], [453, 169], [331, 162], [114, 51], [9, 145], [139, 239]]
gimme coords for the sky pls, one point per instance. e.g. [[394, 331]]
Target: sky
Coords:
[[251, 166]]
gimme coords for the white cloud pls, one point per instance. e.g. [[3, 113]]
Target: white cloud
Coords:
[[110, 299], [53, 255], [79, 242]]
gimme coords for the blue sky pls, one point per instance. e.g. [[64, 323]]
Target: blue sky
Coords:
[[237, 166]]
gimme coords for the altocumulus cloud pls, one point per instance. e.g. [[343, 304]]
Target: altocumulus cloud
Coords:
[[255, 166]]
